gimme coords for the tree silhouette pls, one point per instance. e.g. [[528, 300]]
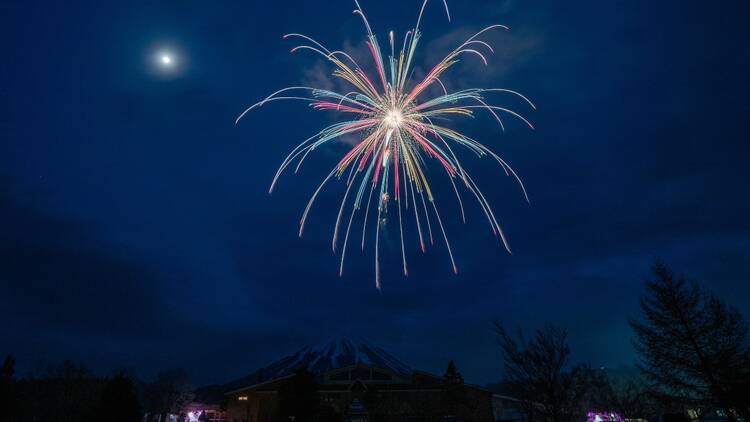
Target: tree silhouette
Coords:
[[9, 396], [454, 400], [452, 376], [9, 368], [628, 396], [693, 347], [63, 393], [298, 397], [170, 393], [537, 372], [119, 400]]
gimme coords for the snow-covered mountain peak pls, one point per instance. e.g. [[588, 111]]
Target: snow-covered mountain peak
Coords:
[[332, 354]]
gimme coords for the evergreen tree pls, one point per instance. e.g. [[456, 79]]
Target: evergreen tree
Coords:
[[694, 348], [9, 368], [454, 400], [119, 400], [452, 376], [298, 397], [9, 394]]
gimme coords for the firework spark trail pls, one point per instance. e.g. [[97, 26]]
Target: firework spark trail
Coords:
[[394, 119]]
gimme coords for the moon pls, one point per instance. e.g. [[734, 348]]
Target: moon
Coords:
[[166, 60]]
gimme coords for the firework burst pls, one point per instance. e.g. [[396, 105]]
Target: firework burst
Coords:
[[394, 120]]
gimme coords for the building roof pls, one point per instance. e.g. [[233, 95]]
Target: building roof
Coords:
[[258, 385], [416, 380]]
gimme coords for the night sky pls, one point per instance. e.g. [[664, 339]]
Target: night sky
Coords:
[[137, 230]]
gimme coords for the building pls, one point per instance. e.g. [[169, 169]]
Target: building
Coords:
[[507, 409], [367, 393]]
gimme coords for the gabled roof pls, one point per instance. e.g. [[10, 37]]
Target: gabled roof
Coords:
[[439, 378], [396, 376], [258, 385], [365, 366], [358, 383], [507, 398]]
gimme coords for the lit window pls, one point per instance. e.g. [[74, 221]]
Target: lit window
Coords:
[[242, 398]]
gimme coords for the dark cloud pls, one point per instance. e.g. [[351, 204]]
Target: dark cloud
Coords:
[[63, 284]]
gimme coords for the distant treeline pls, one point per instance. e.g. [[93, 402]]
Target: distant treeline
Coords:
[[68, 392]]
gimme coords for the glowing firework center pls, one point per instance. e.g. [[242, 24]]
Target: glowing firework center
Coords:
[[393, 118], [396, 120]]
